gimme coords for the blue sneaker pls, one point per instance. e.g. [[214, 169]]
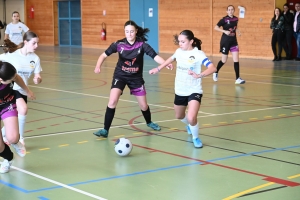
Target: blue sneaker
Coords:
[[101, 132], [188, 130], [197, 143], [154, 126]]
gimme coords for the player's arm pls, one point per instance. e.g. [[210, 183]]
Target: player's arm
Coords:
[[101, 59], [210, 69], [37, 79], [163, 64], [217, 28], [21, 83], [6, 36]]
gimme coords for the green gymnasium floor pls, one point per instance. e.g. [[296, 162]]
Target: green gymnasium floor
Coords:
[[250, 134]]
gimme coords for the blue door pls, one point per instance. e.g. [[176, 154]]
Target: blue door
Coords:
[[145, 14], [69, 18]]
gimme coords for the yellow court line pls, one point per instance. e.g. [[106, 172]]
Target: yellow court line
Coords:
[[267, 116], [63, 145], [138, 133], [173, 128], [206, 124], [118, 136], [43, 149], [256, 188], [247, 191], [101, 139], [295, 176], [282, 115], [295, 113], [82, 142], [238, 120], [222, 122], [253, 118]]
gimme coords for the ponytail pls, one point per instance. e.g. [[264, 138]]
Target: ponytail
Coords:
[[190, 36]]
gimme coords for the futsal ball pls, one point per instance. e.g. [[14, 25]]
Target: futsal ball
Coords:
[[123, 147]]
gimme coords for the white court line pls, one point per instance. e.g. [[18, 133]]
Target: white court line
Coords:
[[92, 95], [230, 113], [58, 183]]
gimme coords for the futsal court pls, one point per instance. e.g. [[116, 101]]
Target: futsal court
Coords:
[[250, 134]]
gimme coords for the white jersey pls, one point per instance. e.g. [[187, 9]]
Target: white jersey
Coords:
[[186, 84], [25, 65], [15, 32]]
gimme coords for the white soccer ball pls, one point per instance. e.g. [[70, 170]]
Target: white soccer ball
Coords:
[[123, 147]]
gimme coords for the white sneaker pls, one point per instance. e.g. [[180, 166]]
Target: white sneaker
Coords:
[[22, 141], [5, 166], [240, 81], [20, 149], [215, 77]]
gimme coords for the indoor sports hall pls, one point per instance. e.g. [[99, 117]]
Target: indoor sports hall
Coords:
[[250, 132]]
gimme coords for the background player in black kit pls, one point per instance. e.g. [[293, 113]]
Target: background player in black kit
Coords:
[[229, 43], [129, 71]]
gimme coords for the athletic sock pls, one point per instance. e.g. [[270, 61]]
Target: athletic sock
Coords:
[[147, 115], [22, 122], [194, 130], [184, 120], [7, 153], [109, 115], [237, 69], [219, 66]]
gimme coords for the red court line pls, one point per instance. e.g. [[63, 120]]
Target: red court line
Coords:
[[277, 180], [267, 178], [281, 181]]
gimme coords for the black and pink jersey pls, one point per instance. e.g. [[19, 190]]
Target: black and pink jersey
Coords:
[[131, 57], [229, 24], [7, 94]]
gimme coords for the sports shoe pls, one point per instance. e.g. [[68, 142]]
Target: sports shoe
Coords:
[[215, 77], [197, 143], [22, 141], [240, 81], [101, 132], [154, 126], [5, 166], [19, 148], [5, 140], [188, 130]]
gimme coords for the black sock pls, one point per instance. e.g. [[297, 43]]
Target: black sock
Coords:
[[220, 64], [237, 69], [7, 153], [109, 115], [147, 115]]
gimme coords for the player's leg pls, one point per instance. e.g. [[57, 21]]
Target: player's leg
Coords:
[[193, 108], [115, 93], [22, 113], [140, 94], [235, 56], [180, 104], [224, 50]]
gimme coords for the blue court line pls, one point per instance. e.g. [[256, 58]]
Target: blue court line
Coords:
[[148, 171]]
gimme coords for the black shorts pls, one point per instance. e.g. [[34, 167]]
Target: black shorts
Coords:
[[136, 86], [19, 95], [184, 100], [228, 45]]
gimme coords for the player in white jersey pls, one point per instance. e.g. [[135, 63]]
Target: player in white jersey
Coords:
[[15, 30], [26, 62], [188, 88]]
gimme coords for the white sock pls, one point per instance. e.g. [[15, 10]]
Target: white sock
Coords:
[[184, 120], [3, 131], [22, 121], [194, 130]]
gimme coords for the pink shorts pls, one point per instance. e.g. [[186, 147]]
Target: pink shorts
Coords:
[[234, 49], [141, 91], [9, 111]]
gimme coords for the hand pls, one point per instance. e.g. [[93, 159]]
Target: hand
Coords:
[[227, 32], [30, 94], [153, 71], [190, 72], [97, 70], [37, 80], [170, 66]]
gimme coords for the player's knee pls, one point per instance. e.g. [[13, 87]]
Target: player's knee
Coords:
[[192, 120], [13, 138]]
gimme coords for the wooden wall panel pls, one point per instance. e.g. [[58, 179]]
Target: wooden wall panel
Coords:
[[200, 16]]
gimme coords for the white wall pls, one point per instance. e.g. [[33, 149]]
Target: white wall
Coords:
[[11, 5]]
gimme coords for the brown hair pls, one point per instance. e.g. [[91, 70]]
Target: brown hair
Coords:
[[10, 47]]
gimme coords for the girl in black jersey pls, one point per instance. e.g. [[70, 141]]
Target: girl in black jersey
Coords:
[[9, 113], [229, 43], [129, 71]]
